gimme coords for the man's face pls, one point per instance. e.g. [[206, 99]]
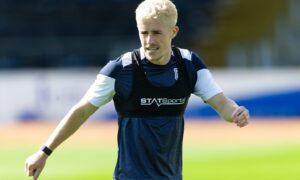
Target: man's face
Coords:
[[156, 38]]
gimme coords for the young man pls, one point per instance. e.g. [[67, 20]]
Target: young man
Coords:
[[150, 88]]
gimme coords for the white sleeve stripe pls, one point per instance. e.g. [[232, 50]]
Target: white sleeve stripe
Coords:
[[186, 54], [126, 59], [101, 91], [206, 87]]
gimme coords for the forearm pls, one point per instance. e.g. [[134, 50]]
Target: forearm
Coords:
[[224, 106], [69, 125], [227, 109]]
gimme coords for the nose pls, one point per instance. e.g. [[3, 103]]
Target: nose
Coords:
[[150, 39]]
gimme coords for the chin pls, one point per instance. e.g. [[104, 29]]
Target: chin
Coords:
[[150, 58], [154, 59]]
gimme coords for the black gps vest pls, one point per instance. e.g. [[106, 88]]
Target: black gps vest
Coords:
[[147, 100]]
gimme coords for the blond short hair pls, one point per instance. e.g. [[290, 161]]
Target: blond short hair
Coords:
[[157, 9]]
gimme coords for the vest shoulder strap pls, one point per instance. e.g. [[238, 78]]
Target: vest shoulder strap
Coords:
[[136, 57], [177, 53]]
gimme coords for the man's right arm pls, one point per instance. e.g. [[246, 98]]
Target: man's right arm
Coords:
[[100, 92], [69, 124]]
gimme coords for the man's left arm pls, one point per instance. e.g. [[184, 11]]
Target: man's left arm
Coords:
[[229, 110]]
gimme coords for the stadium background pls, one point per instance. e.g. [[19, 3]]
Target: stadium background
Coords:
[[51, 51]]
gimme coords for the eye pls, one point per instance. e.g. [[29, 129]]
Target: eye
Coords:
[[144, 32], [156, 32]]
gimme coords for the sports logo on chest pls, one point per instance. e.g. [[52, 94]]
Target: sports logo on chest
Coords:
[[176, 73], [162, 101]]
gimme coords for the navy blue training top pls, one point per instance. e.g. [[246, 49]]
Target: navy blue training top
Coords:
[[150, 143]]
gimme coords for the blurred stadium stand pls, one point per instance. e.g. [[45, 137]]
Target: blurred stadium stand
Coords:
[[51, 33], [84, 33]]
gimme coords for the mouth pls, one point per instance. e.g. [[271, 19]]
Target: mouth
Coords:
[[151, 49]]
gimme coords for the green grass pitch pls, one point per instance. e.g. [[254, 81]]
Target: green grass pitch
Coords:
[[201, 162]]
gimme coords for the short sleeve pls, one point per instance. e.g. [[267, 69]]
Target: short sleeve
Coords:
[[101, 91], [206, 87]]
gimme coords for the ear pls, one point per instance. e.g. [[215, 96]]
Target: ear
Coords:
[[175, 31]]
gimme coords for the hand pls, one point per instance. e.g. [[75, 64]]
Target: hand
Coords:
[[241, 116], [35, 164]]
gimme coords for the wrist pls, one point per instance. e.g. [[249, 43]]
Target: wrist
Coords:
[[46, 150]]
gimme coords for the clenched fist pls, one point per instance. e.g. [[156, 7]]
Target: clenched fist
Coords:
[[241, 116], [35, 164]]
